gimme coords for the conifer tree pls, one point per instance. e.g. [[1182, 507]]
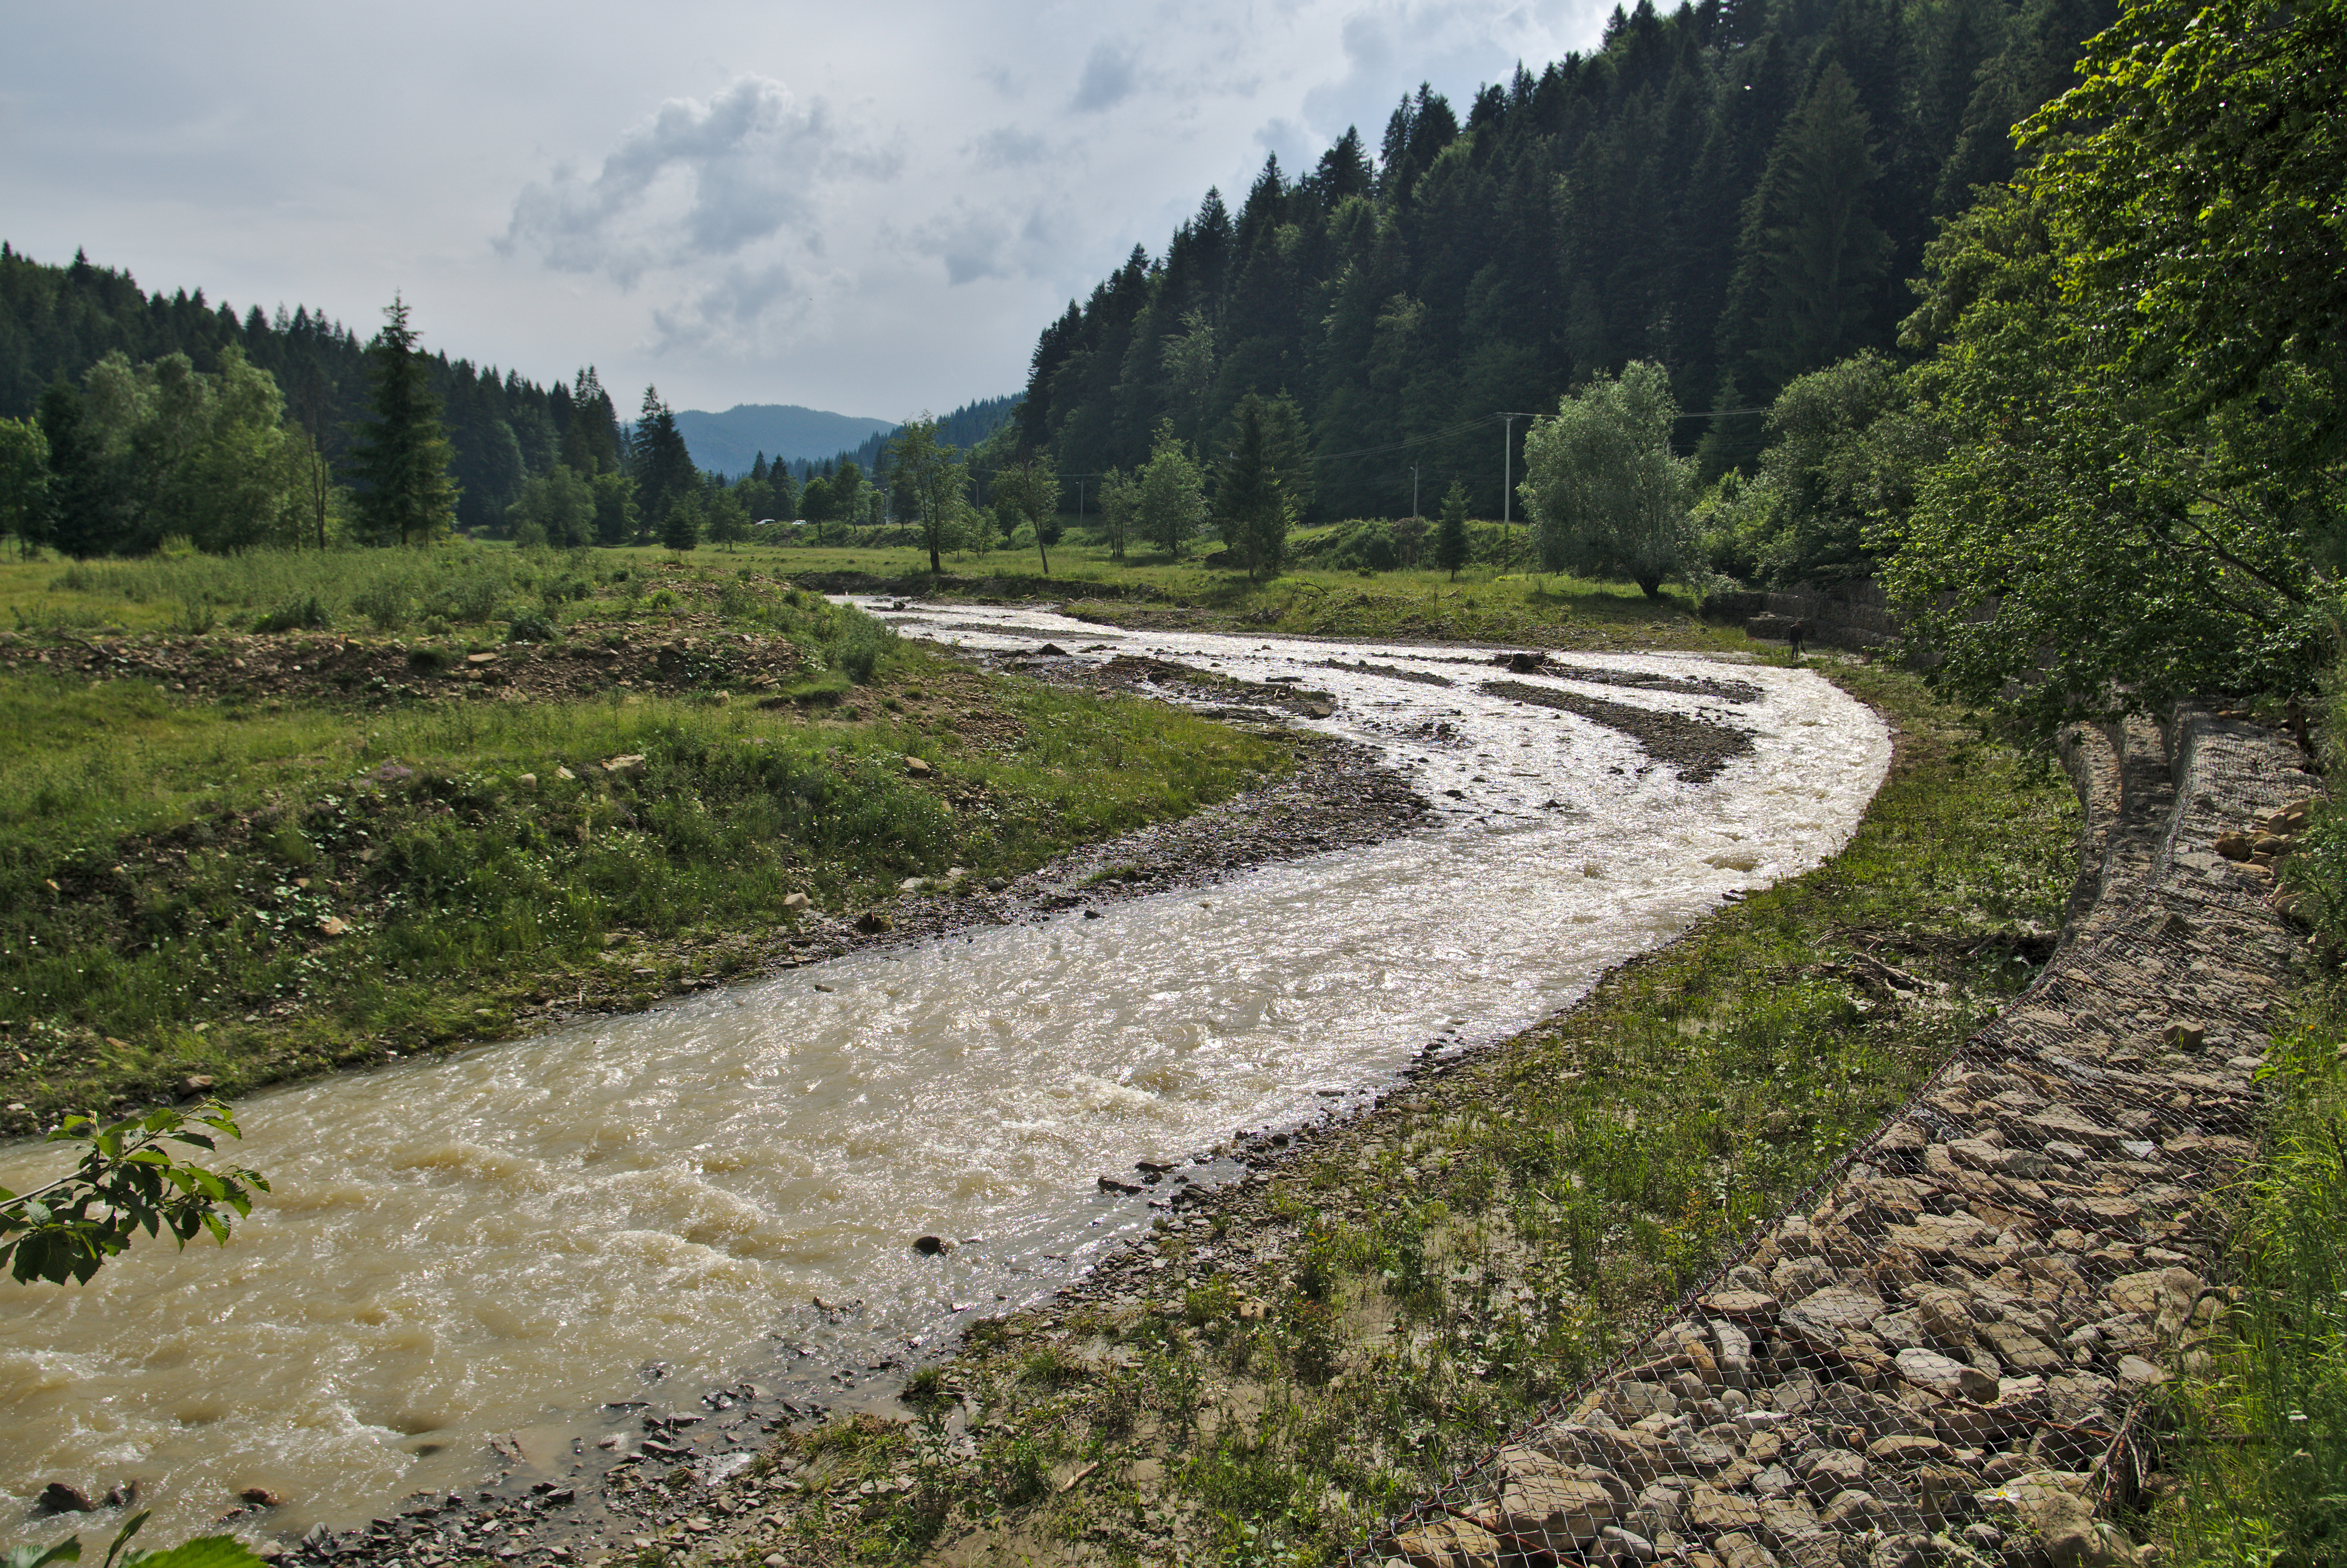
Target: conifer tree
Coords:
[[1249, 500], [662, 466], [1450, 537], [401, 462]]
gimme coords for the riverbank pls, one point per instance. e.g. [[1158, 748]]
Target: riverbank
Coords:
[[240, 858], [1292, 1357]]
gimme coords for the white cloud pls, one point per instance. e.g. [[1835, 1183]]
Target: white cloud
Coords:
[[758, 203], [698, 182]]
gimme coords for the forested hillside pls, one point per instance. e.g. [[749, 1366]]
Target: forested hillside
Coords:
[[731, 443], [1739, 189], [58, 323], [963, 430]]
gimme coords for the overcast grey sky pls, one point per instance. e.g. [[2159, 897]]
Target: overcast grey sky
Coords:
[[868, 209]]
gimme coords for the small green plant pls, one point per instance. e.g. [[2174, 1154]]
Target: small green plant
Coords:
[[308, 613], [530, 626], [128, 1180], [205, 1551]]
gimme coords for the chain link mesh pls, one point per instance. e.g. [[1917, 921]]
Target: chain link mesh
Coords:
[[1942, 1349]]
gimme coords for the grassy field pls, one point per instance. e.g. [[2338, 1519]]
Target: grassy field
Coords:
[[1442, 1268], [259, 887], [486, 586]]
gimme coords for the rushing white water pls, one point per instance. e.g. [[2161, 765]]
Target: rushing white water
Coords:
[[497, 1243]]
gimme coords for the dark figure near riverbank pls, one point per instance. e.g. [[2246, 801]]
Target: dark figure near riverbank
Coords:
[[1800, 630]]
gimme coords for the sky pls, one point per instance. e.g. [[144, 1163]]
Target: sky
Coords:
[[868, 210]]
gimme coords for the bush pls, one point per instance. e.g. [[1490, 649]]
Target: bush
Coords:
[[385, 602], [530, 626], [305, 614]]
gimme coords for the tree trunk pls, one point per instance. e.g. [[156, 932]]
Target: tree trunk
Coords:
[[1651, 587]]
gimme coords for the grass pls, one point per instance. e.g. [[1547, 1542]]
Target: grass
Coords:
[[1443, 1268], [247, 893], [2256, 1467]]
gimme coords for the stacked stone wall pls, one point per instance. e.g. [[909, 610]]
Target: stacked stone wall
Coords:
[[1854, 615], [1942, 1352]]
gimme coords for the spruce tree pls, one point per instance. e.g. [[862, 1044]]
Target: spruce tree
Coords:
[[402, 459], [1450, 537], [1249, 500], [661, 464]]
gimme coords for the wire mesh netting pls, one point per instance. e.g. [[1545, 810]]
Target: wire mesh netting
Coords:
[[1941, 1350]]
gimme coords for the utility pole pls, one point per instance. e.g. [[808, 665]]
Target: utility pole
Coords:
[[1413, 494]]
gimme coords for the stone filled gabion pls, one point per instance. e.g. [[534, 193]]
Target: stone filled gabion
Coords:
[[1937, 1355]]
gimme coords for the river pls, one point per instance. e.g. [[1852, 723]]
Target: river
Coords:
[[642, 1207]]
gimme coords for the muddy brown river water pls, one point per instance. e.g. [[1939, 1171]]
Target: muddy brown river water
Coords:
[[642, 1207]]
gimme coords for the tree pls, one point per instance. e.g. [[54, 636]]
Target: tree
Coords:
[[84, 505], [556, 508], [1250, 499], [847, 490], [24, 483], [1171, 499], [680, 528], [1605, 496], [128, 1179], [1028, 491], [1451, 538], [1120, 503], [931, 478], [661, 464], [616, 519], [2193, 177], [401, 461], [728, 521], [1813, 252]]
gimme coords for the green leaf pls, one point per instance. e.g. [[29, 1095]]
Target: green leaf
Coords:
[[205, 1551], [65, 1551], [130, 1527]]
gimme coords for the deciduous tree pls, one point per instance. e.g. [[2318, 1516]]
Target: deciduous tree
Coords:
[[1604, 493]]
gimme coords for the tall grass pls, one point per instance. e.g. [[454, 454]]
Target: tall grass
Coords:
[[2260, 1443]]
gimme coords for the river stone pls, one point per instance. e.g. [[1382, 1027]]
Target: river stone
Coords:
[[1946, 1375], [1632, 1400], [1934, 1236], [1448, 1544], [1737, 1549], [1828, 1316], [1828, 1472], [1661, 1510], [1711, 1511], [1622, 1543], [2018, 1349], [1854, 1510], [2060, 1124], [1905, 1451], [1547, 1502], [1640, 1456], [2166, 1295], [1784, 1519], [1947, 1314], [1741, 1305]]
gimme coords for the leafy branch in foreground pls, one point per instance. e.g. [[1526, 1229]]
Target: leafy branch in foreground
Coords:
[[208, 1552], [128, 1180]]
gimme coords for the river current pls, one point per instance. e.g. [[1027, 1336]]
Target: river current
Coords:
[[502, 1244]]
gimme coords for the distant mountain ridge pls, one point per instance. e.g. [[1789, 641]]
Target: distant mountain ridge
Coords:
[[730, 442]]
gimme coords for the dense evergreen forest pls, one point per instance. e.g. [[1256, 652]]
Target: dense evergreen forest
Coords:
[[1739, 189], [168, 417], [58, 323]]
